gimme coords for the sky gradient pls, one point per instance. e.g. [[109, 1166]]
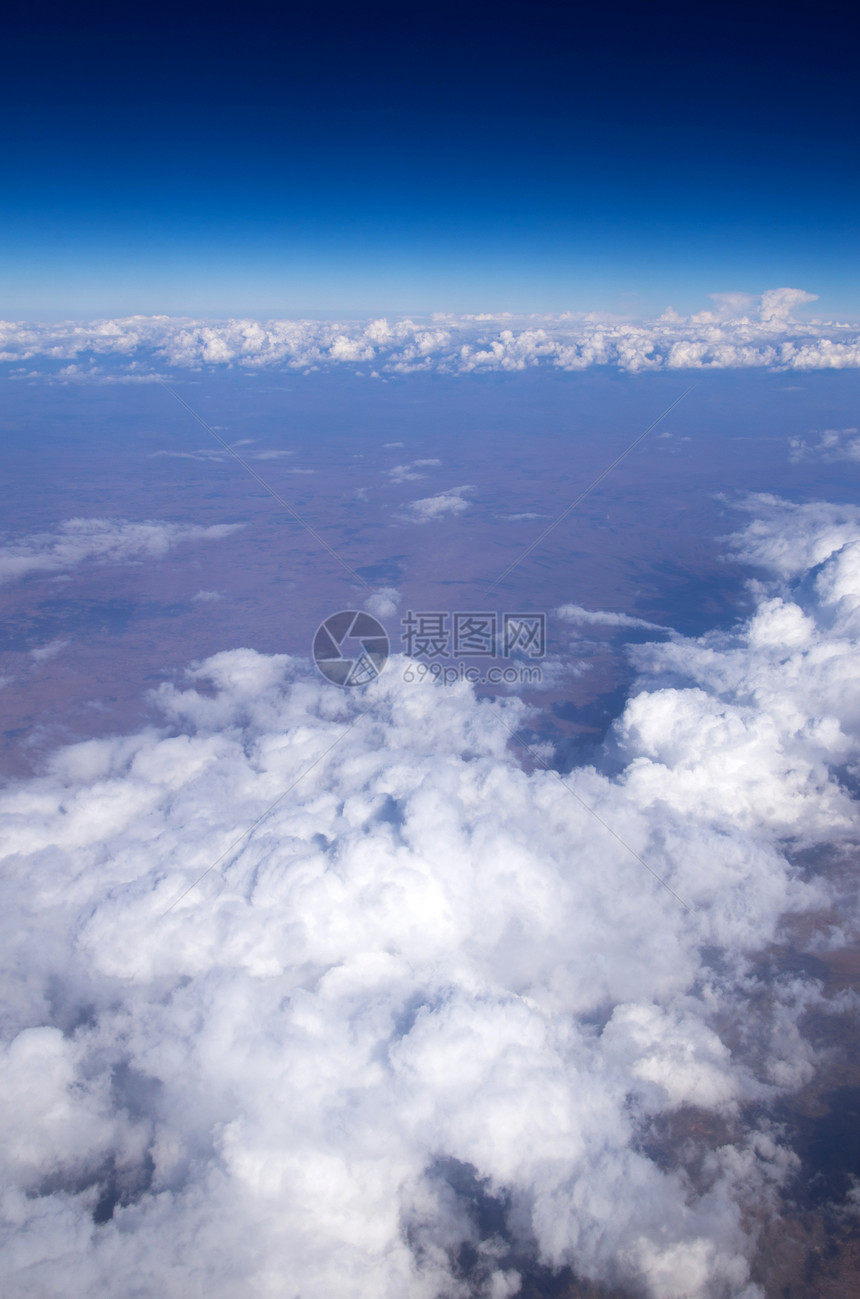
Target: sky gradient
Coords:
[[521, 158]]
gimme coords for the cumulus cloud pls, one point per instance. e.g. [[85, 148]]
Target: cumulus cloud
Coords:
[[787, 539], [741, 331], [454, 501], [414, 1028], [779, 304], [100, 541]]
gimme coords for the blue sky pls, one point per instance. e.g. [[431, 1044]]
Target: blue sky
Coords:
[[516, 157]]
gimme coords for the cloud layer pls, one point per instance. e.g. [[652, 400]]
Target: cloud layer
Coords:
[[740, 331], [414, 1031]]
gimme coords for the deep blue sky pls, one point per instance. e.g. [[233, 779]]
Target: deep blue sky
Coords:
[[269, 160]]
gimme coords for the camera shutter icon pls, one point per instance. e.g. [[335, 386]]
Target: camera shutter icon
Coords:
[[351, 648]]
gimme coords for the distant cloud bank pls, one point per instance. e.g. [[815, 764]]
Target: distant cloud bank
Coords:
[[739, 331]]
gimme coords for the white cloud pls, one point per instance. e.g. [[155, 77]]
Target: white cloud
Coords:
[[832, 444], [218, 453], [384, 602], [100, 541], [453, 501], [732, 306], [742, 331], [426, 976], [787, 539], [778, 304], [42, 653], [213, 453], [403, 473], [406, 473], [604, 618]]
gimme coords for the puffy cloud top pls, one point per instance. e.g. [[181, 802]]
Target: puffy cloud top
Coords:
[[318, 995]]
